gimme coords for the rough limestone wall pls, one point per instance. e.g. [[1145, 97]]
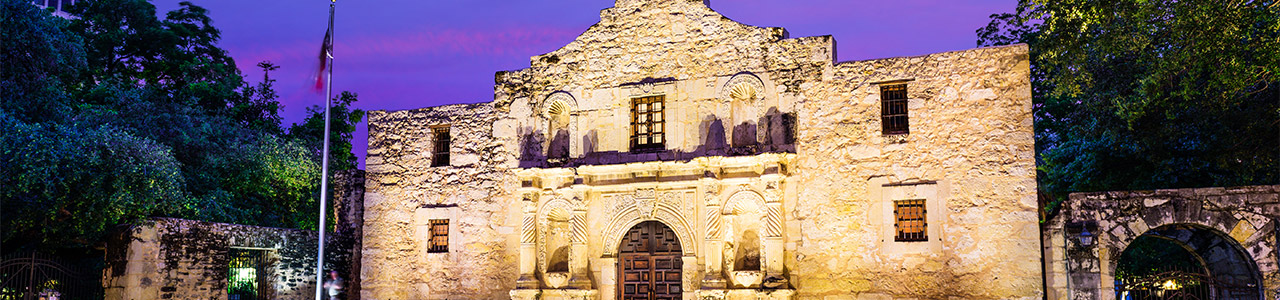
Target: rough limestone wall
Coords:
[[183, 259], [970, 138], [348, 216], [402, 187]]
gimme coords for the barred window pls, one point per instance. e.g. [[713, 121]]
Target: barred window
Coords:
[[440, 156], [910, 224], [647, 123], [893, 109], [439, 236]]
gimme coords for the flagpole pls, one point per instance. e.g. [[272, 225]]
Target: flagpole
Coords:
[[324, 158]]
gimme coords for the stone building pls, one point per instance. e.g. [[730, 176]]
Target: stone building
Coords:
[[671, 153]]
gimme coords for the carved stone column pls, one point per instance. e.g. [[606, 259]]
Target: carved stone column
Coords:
[[579, 277], [528, 245], [713, 278], [773, 244]]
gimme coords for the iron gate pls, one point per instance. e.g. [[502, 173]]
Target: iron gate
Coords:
[[1177, 284], [247, 276], [34, 276]]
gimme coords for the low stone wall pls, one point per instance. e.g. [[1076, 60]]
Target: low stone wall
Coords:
[[166, 258]]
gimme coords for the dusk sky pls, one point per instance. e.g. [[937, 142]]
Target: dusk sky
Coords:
[[411, 54]]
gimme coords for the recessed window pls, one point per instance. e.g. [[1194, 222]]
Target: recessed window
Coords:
[[440, 156], [910, 221], [647, 123], [439, 236], [893, 109]]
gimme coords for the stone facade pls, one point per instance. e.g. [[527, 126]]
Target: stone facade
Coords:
[[773, 172], [183, 259], [1232, 230]]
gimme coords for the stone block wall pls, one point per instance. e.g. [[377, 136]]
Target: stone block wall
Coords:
[[403, 192], [166, 258], [969, 152]]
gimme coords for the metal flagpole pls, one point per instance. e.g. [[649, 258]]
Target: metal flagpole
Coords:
[[324, 158]]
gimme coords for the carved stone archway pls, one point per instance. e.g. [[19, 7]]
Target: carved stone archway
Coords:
[[1084, 243]]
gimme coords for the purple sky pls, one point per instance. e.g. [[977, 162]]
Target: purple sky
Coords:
[[411, 54]]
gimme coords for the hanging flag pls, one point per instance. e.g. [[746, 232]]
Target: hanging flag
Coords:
[[325, 53]]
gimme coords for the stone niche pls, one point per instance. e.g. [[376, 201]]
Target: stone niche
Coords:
[[726, 214]]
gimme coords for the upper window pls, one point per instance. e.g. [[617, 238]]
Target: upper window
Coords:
[[439, 236], [647, 123], [910, 221], [893, 109], [440, 156]]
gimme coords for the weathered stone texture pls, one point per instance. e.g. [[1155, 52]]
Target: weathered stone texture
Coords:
[[971, 133], [774, 175], [182, 259], [1243, 217], [402, 186]]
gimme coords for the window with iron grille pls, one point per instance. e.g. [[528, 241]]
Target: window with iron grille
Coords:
[[647, 123], [439, 236], [910, 224], [441, 154], [893, 109]]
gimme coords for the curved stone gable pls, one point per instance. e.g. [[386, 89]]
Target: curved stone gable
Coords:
[[638, 41]]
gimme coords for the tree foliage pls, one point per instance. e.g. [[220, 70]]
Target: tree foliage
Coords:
[[1150, 94], [118, 115]]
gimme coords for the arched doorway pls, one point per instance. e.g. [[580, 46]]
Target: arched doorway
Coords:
[[1186, 261], [649, 262]]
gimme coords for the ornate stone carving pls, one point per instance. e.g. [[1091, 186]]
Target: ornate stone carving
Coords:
[[645, 206], [744, 86], [579, 228], [554, 210], [773, 224], [560, 101], [713, 222]]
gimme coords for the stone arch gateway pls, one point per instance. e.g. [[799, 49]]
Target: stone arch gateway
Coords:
[[1230, 232]]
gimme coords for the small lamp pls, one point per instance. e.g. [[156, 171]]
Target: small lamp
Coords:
[[1086, 238]]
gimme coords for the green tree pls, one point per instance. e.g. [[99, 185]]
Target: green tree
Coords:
[[1150, 94], [66, 185], [118, 115], [343, 122], [38, 60]]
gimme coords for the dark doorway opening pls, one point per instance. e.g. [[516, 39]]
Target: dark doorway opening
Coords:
[[248, 275], [1185, 261], [649, 263]]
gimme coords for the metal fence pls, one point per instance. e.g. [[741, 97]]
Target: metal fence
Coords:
[[247, 276], [35, 276]]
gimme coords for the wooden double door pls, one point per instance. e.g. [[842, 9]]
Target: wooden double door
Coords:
[[649, 262]]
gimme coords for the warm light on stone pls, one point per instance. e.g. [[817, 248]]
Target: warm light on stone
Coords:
[[773, 176]]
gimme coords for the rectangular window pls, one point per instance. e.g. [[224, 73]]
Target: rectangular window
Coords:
[[647, 123], [893, 109], [439, 236], [441, 155], [910, 224]]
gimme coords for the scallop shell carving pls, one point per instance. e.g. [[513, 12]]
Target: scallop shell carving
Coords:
[[743, 91]]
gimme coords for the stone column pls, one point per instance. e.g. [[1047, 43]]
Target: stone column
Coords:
[[713, 276], [608, 278], [773, 242], [578, 278], [688, 276], [528, 245]]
